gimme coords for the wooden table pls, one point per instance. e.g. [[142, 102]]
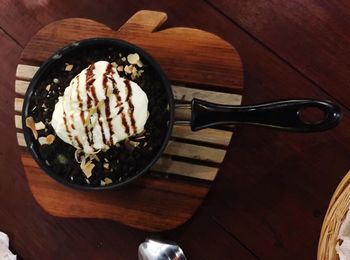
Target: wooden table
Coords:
[[269, 200]]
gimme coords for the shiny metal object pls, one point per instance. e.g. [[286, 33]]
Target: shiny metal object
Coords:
[[158, 250]]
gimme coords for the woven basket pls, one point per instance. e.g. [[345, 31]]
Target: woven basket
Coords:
[[338, 207]]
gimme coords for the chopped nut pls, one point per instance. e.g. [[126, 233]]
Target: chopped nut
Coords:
[[68, 67], [56, 81], [119, 54], [39, 126], [31, 124], [50, 139], [123, 59], [134, 74], [139, 73], [102, 183], [46, 139], [108, 181], [128, 69], [114, 64], [106, 165], [94, 156], [48, 87], [120, 68], [133, 58], [42, 140], [130, 145], [133, 143], [139, 63], [87, 168]]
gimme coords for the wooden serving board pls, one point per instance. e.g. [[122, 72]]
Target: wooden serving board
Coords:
[[336, 213], [199, 64]]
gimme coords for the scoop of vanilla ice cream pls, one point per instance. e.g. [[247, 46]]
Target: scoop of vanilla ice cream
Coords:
[[99, 109]]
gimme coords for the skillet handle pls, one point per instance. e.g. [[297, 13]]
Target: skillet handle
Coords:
[[284, 114]]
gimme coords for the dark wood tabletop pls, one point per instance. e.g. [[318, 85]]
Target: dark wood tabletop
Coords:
[[270, 197]]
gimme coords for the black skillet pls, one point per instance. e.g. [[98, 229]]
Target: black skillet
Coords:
[[284, 114]]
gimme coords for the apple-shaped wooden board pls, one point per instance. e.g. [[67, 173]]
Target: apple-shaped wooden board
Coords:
[[198, 64]]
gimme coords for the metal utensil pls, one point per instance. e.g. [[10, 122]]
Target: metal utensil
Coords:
[[159, 250]]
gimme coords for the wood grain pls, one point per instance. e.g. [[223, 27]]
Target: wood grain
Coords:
[[197, 152], [213, 136], [187, 94], [49, 194], [186, 169], [281, 181], [129, 205], [318, 50], [221, 59]]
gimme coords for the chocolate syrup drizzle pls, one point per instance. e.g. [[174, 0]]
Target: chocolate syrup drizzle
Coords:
[[131, 105]]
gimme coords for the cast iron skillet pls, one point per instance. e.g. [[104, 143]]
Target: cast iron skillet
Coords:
[[284, 114]]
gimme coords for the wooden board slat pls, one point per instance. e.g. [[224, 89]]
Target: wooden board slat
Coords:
[[21, 86], [187, 94], [26, 72], [18, 121], [213, 136], [185, 169], [20, 140], [197, 152], [18, 104]]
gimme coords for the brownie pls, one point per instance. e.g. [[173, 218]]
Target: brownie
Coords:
[[120, 162]]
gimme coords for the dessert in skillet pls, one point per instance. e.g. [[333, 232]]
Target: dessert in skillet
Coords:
[[99, 109], [99, 117]]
